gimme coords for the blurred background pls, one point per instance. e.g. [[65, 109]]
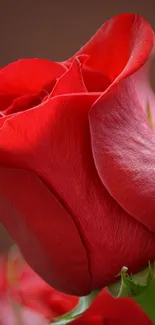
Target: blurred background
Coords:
[[55, 29]]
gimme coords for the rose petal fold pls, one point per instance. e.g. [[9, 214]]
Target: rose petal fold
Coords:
[[27, 76], [72, 80], [119, 48]]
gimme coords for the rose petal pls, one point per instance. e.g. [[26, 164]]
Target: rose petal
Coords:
[[27, 76], [123, 145], [144, 91], [23, 103], [72, 80], [119, 48]]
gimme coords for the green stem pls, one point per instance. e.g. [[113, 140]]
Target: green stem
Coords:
[[83, 304]]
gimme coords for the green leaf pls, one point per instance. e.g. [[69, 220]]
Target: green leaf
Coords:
[[147, 300], [141, 287], [83, 304]]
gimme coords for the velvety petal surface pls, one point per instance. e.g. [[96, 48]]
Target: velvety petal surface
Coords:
[[54, 142], [123, 144], [44, 231]]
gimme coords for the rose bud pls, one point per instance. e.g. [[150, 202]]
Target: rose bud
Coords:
[[77, 176]]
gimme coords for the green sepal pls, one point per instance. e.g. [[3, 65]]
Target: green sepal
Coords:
[[141, 287]]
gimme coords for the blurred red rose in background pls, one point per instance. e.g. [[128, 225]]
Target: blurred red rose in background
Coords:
[[25, 298], [77, 182], [25, 316], [106, 310]]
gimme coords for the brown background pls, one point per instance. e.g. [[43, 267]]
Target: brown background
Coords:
[[55, 30]]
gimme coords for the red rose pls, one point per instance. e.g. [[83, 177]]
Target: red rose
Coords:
[[27, 317], [106, 310], [23, 294], [77, 179]]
